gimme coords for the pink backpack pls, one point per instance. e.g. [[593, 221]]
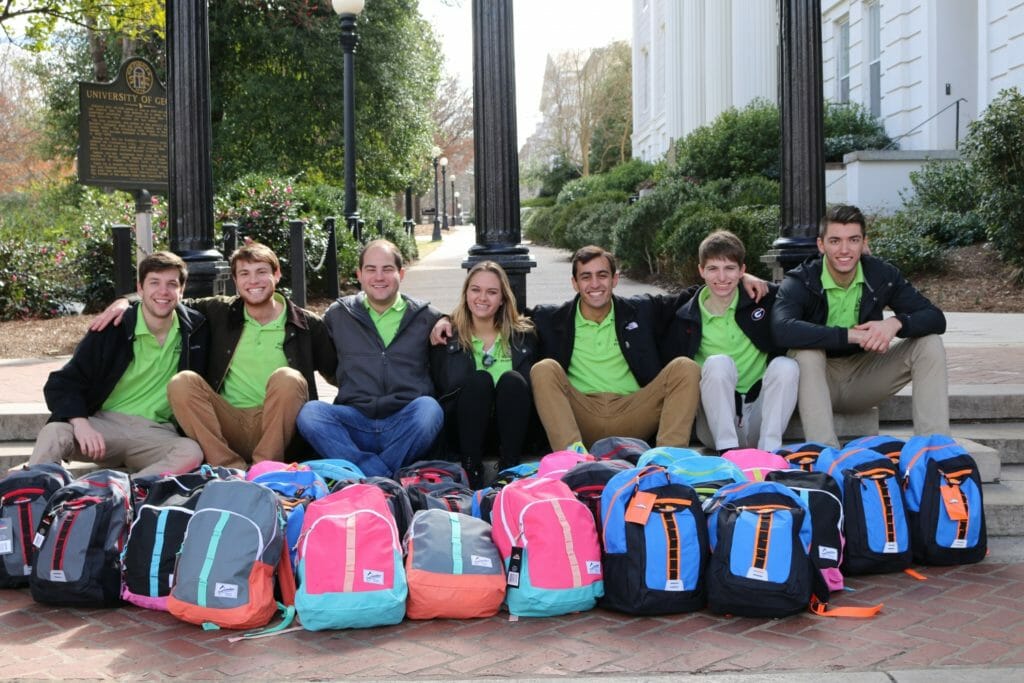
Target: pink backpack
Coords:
[[548, 542], [756, 463], [556, 464]]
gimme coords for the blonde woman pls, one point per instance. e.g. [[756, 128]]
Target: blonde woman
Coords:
[[482, 373]]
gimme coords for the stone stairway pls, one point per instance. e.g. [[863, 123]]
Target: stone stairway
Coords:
[[987, 419]]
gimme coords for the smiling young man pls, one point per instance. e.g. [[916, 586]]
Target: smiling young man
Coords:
[[748, 390], [601, 372], [264, 351], [385, 415], [109, 403], [829, 311]]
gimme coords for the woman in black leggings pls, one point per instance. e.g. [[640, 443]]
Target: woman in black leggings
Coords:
[[483, 374]]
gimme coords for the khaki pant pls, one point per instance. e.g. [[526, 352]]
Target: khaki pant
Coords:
[[140, 445], [236, 437], [664, 408], [863, 380]]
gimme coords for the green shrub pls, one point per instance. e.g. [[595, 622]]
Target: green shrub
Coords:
[[534, 202], [945, 186], [756, 227], [739, 142], [754, 190], [849, 127], [898, 240], [539, 224], [994, 147], [31, 277], [593, 223], [628, 176], [580, 188], [636, 234]]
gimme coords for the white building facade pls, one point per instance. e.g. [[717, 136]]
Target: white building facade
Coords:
[[907, 61]]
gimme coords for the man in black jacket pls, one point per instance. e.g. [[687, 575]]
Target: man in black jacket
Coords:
[[601, 373], [829, 311], [109, 402]]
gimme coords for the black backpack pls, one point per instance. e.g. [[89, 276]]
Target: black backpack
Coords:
[[444, 495], [79, 542], [588, 479], [23, 496], [397, 497]]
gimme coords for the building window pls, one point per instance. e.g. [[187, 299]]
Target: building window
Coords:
[[874, 59], [843, 60]]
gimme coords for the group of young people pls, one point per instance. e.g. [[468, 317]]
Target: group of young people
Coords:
[[735, 355]]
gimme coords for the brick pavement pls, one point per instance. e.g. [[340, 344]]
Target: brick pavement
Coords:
[[960, 617]]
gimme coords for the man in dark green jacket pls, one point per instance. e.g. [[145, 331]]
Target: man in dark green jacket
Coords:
[[264, 351]]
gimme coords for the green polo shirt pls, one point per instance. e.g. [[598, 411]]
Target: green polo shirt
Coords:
[[721, 335], [259, 353], [843, 302], [387, 322], [142, 389], [597, 364], [502, 363]]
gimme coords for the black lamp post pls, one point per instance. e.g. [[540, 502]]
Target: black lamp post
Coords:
[[457, 213], [436, 237], [444, 193], [453, 219], [349, 10]]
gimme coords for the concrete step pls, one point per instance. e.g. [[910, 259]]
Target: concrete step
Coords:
[[1004, 503], [1005, 437], [21, 421], [848, 426], [967, 403]]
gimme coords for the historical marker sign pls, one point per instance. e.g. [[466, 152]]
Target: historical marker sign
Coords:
[[122, 130]]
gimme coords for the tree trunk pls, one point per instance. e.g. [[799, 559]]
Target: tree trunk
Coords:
[[97, 51]]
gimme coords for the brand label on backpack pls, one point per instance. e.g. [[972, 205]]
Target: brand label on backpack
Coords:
[[674, 585], [6, 537], [373, 576], [594, 567], [480, 561], [959, 543], [757, 573], [228, 591], [891, 547], [515, 565], [57, 575], [828, 553]]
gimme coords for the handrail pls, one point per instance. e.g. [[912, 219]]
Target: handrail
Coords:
[[955, 103]]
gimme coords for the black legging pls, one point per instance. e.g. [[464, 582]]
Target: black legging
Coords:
[[482, 403]]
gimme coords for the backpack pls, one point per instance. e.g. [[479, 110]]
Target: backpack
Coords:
[[823, 498], [760, 536], [79, 540], [397, 497], [556, 464], [226, 567], [333, 470], [619, 448], [802, 455], [431, 472], [297, 488], [875, 519], [889, 446], [755, 463], [664, 456], [548, 543], [707, 474], [350, 571], [443, 495], [23, 496], [483, 500], [587, 481], [943, 494], [154, 539], [453, 568], [655, 543]]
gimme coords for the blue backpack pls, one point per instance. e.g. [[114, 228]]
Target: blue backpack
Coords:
[[655, 543], [297, 489], [707, 474], [942, 490], [875, 519], [760, 536], [889, 446], [664, 456], [802, 455], [333, 470]]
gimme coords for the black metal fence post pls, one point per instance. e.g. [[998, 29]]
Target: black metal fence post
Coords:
[[124, 274], [298, 261], [331, 259]]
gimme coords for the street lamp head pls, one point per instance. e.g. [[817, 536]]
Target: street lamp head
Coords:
[[348, 6], [456, 194], [444, 161], [435, 151], [452, 177]]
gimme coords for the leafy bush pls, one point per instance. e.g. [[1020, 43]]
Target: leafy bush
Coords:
[[994, 147], [739, 142], [754, 190], [593, 223], [553, 179], [898, 240], [636, 234], [534, 202], [849, 126], [628, 176], [756, 227], [31, 277], [580, 188], [539, 223]]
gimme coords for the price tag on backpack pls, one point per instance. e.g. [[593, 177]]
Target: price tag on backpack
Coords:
[[515, 565], [953, 500], [6, 537], [640, 507]]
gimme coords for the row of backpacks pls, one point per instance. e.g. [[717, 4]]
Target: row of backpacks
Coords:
[[639, 530]]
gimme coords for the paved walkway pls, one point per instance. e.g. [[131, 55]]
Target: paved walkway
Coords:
[[959, 623]]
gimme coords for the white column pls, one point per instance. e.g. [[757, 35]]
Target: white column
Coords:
[[675, 86], [755, 51], [717, 58], [693, 64]]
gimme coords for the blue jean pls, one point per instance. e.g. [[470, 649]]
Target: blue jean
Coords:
[[379, 447]]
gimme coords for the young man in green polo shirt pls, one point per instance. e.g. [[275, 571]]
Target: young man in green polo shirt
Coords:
[[109, 402], [829, 311], [602, 372], [748, 390], [385, 415], [264, 351]]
